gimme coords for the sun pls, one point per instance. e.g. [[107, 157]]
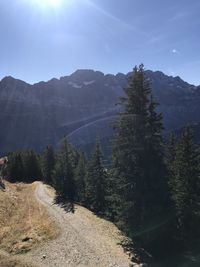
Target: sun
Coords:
[[47, 3], [53, 3]]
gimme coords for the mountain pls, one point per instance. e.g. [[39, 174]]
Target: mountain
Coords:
[[82, 106]]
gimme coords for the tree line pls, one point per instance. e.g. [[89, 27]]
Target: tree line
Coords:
[[152, 190]]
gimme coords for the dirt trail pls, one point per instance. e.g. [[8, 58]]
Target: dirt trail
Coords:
[[85, 240]]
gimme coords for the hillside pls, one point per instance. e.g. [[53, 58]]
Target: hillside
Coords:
[[24, 224], [82, 106], [30, 236]]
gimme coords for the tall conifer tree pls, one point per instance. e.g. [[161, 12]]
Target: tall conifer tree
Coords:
[[184, 182], [80, 175], [138, 158], [48, 164], [15, 168], [63, 178], [32, 168], [96, 182]]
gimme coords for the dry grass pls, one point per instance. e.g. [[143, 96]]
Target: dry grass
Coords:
[[7, 260], [24, 222], [50, 191]]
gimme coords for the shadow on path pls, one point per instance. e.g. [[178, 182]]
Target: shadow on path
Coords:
[[65, 204]]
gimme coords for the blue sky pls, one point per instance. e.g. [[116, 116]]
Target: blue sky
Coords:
[[40, 41]]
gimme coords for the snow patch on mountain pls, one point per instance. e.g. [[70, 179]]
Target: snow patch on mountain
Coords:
[[88, 82], [75, 85]]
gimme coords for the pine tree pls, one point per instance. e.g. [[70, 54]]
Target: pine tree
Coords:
[[170, 161], [15, 169], [113, 200], [23, 166], [96, 182], [80, 175], [31, 163], [185, 187], [138, 159], [48, 164], [74, 156], [154, 167], [63, 179]]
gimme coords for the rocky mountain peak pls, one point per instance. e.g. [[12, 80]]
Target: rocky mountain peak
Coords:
[[32, 116]]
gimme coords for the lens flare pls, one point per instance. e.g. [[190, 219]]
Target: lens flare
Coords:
[[53, 2], [47, 3]]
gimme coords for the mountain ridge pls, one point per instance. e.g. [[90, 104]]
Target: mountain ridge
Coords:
[[82, 105], [161, 73]]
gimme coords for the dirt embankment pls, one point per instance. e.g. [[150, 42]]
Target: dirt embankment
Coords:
[[24, 223]]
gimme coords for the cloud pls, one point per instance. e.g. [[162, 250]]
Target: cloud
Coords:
[[172, 73], [175, 51], [180, 16], [157, 38], [185, 14]]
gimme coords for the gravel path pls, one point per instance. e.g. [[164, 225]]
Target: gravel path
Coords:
[[85, 239]]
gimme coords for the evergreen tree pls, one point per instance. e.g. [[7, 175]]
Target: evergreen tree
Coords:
[[154, 168], [48, 164], [170, 160], [74, 156], [23, 166], [15, 168], [185, 186], [63, 179], [32, 169], [113, 199], [80, 174], [140, 193], [96, 182]]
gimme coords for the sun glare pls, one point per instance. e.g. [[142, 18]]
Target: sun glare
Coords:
[[48, 3], [52, 2]]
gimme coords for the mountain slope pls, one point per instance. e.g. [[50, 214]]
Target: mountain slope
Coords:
[[82, 106], [24, 223]]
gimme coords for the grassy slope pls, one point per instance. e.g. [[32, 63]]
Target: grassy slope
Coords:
[[24, 223]]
